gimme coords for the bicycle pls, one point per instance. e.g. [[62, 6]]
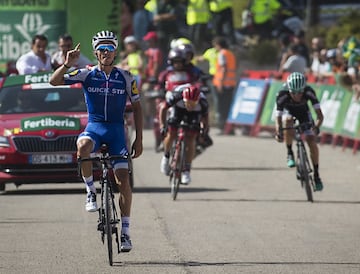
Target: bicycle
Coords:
[[108, 216], [129, 131], [177, 159], [303, 167]]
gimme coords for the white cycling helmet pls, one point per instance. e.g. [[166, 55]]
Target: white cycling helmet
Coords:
[[104, 36], [296, 82]]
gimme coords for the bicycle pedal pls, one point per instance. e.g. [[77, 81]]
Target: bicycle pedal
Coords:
[[100, 227]]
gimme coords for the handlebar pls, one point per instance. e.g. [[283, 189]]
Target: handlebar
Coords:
[[301, 127], [154, 94], [104, 156]]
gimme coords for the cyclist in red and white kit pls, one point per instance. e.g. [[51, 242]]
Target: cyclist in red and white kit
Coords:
[[177, 73], [188, 104]]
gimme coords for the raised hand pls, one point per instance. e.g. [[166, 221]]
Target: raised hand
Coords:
[[72, 56]]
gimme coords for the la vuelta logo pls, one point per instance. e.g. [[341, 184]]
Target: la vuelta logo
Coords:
[[48, 122]]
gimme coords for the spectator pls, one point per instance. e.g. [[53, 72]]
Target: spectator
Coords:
[[222, 19], [210, 56], [321, 67], [37, 59], [142, 21], [294, 62], [351, 53], [126, 18], [303, 49], [284, 41], [264, 11], [224, 80], [133, 60], [197, 18], [65, 44], [165, 22], [154, 60]]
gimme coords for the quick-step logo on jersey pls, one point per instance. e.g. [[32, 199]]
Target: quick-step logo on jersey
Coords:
[[74, 72], [134, 89]]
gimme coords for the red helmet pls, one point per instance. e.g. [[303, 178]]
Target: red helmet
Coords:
[[191, 93]]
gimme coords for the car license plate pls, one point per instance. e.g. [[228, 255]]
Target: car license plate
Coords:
[[50, 159]]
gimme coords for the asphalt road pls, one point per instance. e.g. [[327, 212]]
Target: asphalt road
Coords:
[[244, 212]]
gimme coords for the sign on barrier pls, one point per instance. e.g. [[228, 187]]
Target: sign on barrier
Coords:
[[267, 118], [247, 102], [351, 125]]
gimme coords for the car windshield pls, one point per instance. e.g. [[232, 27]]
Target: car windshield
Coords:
[[41, 98]]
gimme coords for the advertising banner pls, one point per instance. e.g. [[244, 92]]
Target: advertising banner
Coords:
[[99, 15], [351, 123], [21, 20], [247, 102], [334, 102], [268, 112]]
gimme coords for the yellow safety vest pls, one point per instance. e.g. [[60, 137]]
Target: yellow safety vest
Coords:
[[134, 61], [230, 78], [219, 5], [151, 6], [197, 12], [263, 10], [211, 56]]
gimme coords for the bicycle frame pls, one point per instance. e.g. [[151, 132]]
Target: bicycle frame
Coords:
[[177, 160], [108, 216], [303, 167]]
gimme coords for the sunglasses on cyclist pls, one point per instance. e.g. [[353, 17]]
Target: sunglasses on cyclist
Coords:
[[103, 48]]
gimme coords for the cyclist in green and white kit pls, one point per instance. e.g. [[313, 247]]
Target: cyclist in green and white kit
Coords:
[[292, 101]]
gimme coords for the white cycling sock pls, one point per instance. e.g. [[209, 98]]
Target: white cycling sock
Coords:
[[125, 225], [89, 183]]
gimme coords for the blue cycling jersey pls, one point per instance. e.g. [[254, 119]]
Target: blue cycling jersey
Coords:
[[105, 95]]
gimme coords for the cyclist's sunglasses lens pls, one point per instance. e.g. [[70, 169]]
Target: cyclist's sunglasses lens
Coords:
[[102, 48]]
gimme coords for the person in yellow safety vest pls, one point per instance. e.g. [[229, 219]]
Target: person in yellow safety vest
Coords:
[[197, 19], [133, 60], [263, 14], [222, 19], [151, 5], [224, 80], [210, 56]]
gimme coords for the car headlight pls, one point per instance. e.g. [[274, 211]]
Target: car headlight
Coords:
[[4, 142]]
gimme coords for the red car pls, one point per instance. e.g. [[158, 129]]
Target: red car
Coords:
[[39, 126]]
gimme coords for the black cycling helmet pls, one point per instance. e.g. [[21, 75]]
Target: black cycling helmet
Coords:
[[176, 54], [296, 82], [188, 49]]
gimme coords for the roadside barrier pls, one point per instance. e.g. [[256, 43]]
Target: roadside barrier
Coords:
[[253, 108]]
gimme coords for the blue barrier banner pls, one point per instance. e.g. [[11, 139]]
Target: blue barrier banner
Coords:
[[247, 101]]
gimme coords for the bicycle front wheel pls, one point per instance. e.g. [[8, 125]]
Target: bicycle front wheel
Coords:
[[305, 176], [175, 177], [131, 173], [108, 224]]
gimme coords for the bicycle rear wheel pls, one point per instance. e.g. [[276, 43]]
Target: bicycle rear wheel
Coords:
[[305, 176], [108, 224]]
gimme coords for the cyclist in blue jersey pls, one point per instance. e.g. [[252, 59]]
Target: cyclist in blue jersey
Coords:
[[106, 90]]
